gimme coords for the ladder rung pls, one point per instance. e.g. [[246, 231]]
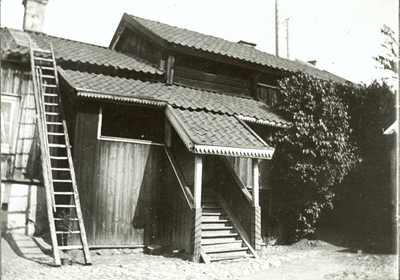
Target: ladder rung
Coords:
[[71, 219], [63, 193], [60, 169], [52, 113], [62, 181], [53, 123], [48, 76], [57, 145], [50, 94], [58, 158], [65, 206], [55, 133], [50, 104], [43, 59], [67, 232], [46, 68], [70, 247], [41, 51], [51, 86]]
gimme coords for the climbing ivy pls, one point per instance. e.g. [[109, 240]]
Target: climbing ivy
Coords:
[[314, 154]]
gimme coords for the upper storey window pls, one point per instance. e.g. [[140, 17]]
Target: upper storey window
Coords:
[[9, 107], [267, 94]]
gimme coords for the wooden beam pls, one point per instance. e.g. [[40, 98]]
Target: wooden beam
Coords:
[[256, 184], [170, 69], [167, 133], [198, 176]]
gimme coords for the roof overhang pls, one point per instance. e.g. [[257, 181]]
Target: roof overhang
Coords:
[[262, 150]]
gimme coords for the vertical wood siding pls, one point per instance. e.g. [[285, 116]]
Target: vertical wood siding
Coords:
[[119, 185], [24, 160]]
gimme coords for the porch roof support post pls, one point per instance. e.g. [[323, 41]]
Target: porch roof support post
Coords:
[[256, 185], [198, 175], [197, 211], [256, 210]]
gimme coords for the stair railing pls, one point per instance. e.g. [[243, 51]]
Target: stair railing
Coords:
[[181, 179], [239, 182]]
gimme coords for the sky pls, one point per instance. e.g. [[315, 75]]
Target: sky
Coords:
[[341, 35]]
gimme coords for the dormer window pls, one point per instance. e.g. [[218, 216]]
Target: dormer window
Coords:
[[267, 94]]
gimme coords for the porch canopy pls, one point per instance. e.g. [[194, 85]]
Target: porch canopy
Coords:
[[217, 134]]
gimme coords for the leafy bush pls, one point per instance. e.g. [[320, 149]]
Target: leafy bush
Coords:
[[314, 154]]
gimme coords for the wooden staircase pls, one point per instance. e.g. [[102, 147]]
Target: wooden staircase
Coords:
[[63, 206], [220, 240]]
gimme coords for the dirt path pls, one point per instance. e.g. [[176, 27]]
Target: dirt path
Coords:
[[320, 260]]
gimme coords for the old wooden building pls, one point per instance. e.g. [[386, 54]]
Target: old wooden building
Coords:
[[169, 131]]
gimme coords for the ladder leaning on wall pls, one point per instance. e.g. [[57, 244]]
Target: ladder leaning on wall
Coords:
[[62, 198]]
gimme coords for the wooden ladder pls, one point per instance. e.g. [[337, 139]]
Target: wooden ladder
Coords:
[[62, 197]]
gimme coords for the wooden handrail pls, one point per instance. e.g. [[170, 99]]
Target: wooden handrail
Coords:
[[237, 225], [245, 191], [181, 179]]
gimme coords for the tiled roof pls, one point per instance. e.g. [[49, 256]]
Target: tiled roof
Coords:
[[211, 44], [130, 90], [213, 133], [17, 42]]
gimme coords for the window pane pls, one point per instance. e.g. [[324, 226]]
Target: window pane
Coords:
[[6, 117], [133, 122]]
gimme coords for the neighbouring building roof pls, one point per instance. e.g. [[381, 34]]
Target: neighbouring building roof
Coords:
[[97, 86], [17, 42], [207, 43]]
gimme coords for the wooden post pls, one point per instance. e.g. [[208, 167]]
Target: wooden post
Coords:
[[170, 70], [197, 211], [198, 176], [256, 210], [256, 184], [167, 129]]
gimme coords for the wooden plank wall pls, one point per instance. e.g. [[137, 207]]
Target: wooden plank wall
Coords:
[[134, 44], [24, 161], [243, 169], [214, 82], [178, 215], [119, 185]]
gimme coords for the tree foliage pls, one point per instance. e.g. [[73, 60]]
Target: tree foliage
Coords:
[[389, 61], [313, 154]]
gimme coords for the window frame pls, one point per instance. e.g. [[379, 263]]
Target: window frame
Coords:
[[14, 99], [121, 139], [271, 101]]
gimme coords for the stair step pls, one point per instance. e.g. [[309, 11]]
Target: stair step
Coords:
[[231, 244], [229, 256], [210, 204], [223, 249], [215, 226], [70, 247], [218, 240], [211, 215], [214, 221], [218, 233]]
